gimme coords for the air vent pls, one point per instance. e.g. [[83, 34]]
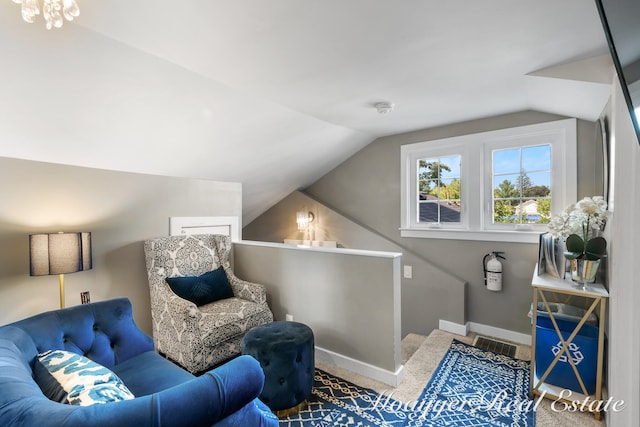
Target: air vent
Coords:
[[495, 346]]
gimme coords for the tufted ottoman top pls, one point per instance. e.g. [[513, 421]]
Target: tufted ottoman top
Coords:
[[285, 351]]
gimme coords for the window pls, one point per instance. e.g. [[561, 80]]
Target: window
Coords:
[[439, 190], [521, 185], [502, 185]]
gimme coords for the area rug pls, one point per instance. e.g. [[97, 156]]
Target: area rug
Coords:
[[337, 402], [470, 387], [475, 387]]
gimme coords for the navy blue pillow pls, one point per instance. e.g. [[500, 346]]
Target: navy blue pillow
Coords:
[[200, 290]]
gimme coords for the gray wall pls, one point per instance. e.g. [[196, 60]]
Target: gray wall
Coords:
[[120, 209], [431, 295], [366, 189], [350, 300]]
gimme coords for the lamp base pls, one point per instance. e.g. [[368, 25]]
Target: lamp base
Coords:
[[61, 290]]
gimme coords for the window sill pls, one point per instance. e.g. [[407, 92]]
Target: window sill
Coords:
[[488, 236]]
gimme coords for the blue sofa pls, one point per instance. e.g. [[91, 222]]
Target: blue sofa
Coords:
[[105, 332]]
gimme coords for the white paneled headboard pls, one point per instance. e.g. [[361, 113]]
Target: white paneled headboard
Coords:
[[227, 225]]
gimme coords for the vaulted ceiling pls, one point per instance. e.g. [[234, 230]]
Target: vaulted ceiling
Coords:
[[275, 93]]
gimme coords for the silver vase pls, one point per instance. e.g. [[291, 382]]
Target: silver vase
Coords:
[[584, 270]]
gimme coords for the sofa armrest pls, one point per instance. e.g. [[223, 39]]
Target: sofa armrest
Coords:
[[202, 401], [211, 397]]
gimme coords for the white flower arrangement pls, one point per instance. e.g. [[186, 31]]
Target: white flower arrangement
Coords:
[[578, 224]]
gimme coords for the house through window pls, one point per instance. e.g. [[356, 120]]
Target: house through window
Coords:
[[522, 185], [439, 190]]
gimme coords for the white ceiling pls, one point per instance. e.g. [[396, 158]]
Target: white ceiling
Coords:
[[276, 93]]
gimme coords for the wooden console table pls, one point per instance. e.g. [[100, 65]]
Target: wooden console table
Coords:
[[596, 295]]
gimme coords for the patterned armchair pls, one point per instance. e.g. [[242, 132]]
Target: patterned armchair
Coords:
[[199, 337]]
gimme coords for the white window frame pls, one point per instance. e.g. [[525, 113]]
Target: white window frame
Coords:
[[476, 180], [411, 155]]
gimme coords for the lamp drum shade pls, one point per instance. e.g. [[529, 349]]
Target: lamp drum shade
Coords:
[[59, 253]]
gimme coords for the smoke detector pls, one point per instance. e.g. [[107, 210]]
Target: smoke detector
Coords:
[[384, 107]]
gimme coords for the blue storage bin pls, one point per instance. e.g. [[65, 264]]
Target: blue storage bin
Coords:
[[583, 348]]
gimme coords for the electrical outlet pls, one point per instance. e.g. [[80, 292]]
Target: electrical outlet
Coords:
[[85, 297], [289, 317], [408, 272]]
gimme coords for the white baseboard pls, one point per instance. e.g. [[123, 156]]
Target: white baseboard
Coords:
[[490, 331], [454, 328], [328, 357]]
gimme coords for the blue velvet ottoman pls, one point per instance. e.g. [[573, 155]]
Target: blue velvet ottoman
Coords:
[[285, 351]]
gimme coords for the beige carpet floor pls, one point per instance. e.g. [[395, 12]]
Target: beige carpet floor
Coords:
[[421, 356]]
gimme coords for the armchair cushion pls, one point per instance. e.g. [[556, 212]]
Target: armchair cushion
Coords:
[[68, 377], [204, 289]]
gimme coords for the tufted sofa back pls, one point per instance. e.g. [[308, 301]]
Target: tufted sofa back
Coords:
[[104, 332]]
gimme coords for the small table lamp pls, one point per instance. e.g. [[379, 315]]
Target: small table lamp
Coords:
[[59, 253]]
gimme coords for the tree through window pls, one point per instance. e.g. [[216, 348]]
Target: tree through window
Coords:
[[522, 185], [439, 190]]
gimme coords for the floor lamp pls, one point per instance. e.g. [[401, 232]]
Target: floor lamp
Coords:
[[59, 253]]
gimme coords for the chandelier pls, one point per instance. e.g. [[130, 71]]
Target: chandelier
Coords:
[[52, 10]]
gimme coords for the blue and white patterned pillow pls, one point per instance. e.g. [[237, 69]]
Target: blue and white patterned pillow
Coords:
[[68, 377]]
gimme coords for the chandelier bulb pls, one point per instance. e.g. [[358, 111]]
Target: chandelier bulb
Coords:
[[53, 11]]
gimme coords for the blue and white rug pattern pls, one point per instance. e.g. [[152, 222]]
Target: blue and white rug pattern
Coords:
[[336, 402], [474, 387], [470, 387]]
